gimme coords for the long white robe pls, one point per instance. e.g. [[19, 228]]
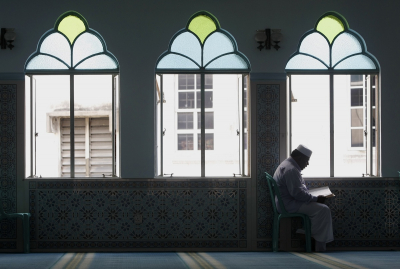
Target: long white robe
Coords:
[[297, 199]]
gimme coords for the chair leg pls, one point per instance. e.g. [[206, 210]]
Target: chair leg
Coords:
[[275, 235], [307, 227], [25, 223]]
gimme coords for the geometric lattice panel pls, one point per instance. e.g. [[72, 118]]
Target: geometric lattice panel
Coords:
[[267, 153], [365, 213], [8, 157], [192, 214]]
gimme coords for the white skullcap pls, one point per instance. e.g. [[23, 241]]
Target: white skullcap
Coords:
[[303, 149]]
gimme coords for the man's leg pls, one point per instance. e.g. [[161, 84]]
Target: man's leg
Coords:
[[321, 223]]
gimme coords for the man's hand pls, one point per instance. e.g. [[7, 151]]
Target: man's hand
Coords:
[[321, 199]]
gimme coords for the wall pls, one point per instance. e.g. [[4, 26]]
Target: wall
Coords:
[[137, 33]]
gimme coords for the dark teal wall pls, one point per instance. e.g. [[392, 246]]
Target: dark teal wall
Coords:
[[137, 32]]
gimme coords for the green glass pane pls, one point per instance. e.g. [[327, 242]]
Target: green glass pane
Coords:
[[330, 26], [202, 26], [71, 26]]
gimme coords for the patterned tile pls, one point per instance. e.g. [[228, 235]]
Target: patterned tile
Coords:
[[95, 212], [8, 160], [267, 152], [365, 213]]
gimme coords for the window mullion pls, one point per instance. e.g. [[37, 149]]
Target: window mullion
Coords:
[[332, 127], [113, 89], [33, 126], [377, 126], [161, 126], [72, 126], [289, 112], [203, 134], [243, 127], [369, 125]]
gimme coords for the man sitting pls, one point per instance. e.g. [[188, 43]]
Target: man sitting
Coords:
[[297, 199]]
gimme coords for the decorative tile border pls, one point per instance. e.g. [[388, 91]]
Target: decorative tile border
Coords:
[[8, 159], [267, 152], [173, 211], [117, 184], [53, 245], [8, 245], [365, 213]]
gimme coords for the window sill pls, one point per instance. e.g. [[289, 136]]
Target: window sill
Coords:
[[133, 179], [72, 178], [343, 178]]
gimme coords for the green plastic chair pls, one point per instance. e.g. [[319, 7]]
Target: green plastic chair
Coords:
[[25, 224], [274, 191]]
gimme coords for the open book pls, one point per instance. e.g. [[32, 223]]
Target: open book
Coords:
[[324, 191]]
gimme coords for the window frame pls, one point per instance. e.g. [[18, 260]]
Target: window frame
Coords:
[[72, 71], [331, 71], [199, 68]]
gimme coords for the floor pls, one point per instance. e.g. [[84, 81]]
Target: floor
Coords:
[[198, 260]]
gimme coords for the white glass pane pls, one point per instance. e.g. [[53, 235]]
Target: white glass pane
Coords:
[[215, 45], [344, 45], [52, 139], [310, 121], [350, 157], [188, 45], [230, 61], [101, 61], [45, 62], [173, 61], [180, 154], [356, 62], [93, 125], [316, 45], [222, 154], [87, 44], [300, 62], [57, 45]]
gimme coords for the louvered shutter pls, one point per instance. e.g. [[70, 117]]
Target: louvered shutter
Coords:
[[93, 136]]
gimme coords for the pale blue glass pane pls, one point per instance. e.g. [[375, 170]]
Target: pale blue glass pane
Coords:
[[344, 45], [316, 45], [87, 44], [173, 61], [57, 45], [230, 61], [45, 62], [101, 61], [356, 62], [300, 62], [188, 45], [215, 45]]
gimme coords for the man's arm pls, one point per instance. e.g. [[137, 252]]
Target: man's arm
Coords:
[[296, 188]]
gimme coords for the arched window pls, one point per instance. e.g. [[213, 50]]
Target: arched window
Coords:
[[72, 103], [202, 82], [333, 100]]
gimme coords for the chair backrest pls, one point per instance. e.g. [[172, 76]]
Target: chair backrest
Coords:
[[274, 191]]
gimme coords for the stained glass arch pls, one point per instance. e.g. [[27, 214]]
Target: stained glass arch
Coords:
[[71, 46], [202, 47], [332, 47]]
